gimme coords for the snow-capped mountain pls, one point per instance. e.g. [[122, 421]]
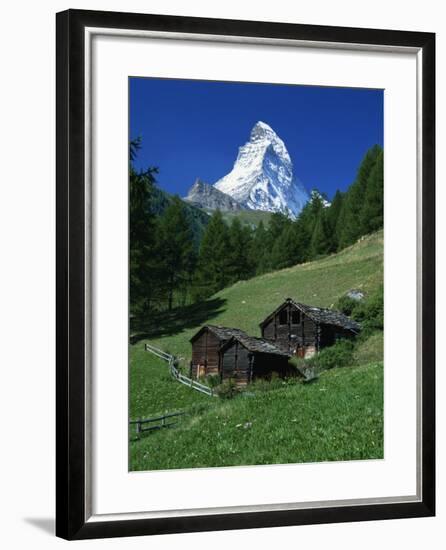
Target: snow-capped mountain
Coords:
[[262, 177]]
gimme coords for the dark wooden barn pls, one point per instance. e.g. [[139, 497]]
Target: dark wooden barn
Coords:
[[245, 358], [231, 353], [206, 344], [303, 330]]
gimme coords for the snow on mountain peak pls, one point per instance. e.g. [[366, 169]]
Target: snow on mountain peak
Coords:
[[260, 129], [262, 177]]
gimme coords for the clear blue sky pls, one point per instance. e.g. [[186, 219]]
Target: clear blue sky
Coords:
[[193, 128]]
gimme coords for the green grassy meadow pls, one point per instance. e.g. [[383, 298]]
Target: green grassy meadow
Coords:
[[338, 417]]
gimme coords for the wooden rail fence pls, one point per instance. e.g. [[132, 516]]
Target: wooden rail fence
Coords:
[[176, 373], [157, 422]]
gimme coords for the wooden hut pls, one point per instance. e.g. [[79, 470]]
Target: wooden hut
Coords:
[[206, 344], [244, 358], [231, 353], [303, 330]]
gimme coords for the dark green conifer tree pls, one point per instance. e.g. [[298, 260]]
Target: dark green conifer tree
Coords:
[[333, 212], [372, 214], [286, 249], [212, 273], [142, 264], [176, 250], [240, 265], [350, 219], [277, 224], [305, 225], [321, 242], [303, 238], [259, 252]]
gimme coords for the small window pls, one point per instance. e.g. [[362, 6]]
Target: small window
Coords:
[[283, 317], [295, 317]]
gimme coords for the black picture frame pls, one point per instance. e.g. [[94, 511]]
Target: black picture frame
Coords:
[[71, 518]]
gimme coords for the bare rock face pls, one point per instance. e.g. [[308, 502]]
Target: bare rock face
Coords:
[[203, 195], [355, 294]]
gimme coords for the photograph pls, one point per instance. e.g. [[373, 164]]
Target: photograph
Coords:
[[256, 296]]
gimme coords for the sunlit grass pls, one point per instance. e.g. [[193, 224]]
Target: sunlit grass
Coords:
[[337, 418]]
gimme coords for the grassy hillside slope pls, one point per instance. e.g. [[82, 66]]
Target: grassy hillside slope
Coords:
[[339, 417], [245, 304]]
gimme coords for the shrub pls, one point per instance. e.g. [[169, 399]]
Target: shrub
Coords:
[[338, 355], [370, 313], [227, 389], [347, 305], [213, 380]]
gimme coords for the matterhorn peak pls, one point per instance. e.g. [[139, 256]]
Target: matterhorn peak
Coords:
[[262, 125], [260, 130], [262, 177]]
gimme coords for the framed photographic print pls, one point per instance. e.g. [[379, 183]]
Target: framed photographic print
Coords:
[[245, 274]]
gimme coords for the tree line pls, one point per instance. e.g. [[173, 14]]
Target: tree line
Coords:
[[231, 253], [167, 268]]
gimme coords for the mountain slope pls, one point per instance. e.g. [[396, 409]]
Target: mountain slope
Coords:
[[203, 195], [338, 417], [251, 218], [262, 177], [197, 219], [246, 303]]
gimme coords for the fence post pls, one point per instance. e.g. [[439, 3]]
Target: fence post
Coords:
[[189, 381]]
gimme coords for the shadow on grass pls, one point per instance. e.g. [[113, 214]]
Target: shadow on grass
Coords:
[[166, 323]]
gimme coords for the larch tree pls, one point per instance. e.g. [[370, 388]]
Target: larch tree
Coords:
[[350, 219], [176, 249], [143, 283], [372, 214], [240, 264], [212, 273]]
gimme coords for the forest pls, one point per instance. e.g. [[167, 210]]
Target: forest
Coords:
[[180, 255]]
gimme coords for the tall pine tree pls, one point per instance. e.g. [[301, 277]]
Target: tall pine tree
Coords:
[[278, 224], [142, 264], [372, 213], [321, 242], [289, 247], [212, 273], [350, 219], [259, 252], [176, 250], [240, 265], [333, 212]]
